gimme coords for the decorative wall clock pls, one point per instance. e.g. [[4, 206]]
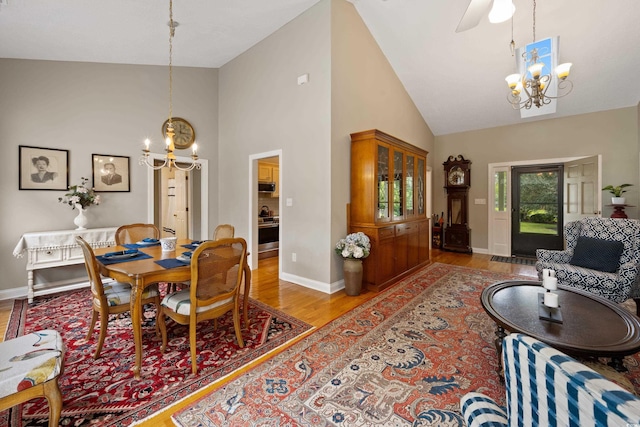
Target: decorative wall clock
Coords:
[[184, 133]]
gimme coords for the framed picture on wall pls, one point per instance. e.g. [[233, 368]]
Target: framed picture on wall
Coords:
[[110, 173], [43, 168]]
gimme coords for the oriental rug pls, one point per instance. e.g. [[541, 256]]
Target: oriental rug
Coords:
[[104, 392], [404, 358]]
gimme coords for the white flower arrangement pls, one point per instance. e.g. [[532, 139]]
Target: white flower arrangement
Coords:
[[354, 246], [81, 195]]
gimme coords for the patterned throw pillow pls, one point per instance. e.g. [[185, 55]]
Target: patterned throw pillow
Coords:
[[597, 254]]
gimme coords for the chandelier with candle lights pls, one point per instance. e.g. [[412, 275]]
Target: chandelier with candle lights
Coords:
[[530, 88], [170, 157]]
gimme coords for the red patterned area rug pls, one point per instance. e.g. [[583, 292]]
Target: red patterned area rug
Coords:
[[103, 392], [404, 358]]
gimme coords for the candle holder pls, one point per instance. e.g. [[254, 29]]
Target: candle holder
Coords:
[[546, 309]]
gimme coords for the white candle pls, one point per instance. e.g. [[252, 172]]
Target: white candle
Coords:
[[547, 272], [550, 283], [551, 299], [195, 148], [147, 143]]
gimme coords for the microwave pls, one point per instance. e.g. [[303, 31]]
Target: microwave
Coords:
[[266, 187]]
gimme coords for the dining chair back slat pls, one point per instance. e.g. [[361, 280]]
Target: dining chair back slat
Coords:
[[132, 233]]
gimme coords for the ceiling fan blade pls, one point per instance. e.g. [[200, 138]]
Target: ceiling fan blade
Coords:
[[474, 13]]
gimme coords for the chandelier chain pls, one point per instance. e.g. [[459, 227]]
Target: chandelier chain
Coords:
[[171, 33], [170, 159], [534, 21]]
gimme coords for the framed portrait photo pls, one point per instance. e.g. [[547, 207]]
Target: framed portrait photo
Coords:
[[43, 168], [110, 173]]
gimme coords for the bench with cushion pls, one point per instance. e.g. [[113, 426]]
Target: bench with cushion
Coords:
[[29, 368]]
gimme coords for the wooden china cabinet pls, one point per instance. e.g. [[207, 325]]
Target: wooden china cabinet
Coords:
[[388, 204]]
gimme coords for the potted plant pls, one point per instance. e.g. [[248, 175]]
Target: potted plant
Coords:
[[617, 192], [353, 249]]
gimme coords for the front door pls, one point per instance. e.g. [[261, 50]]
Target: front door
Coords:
[[536, 212]]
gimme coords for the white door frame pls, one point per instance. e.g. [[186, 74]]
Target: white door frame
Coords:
[[495, 167], [252, 243], [204, 193]]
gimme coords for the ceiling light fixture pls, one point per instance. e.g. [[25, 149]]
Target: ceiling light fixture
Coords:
[[170, 157], [533, 83], [501, 11]]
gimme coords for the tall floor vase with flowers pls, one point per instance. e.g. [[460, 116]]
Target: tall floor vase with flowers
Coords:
[[353, 249], [80, 197]]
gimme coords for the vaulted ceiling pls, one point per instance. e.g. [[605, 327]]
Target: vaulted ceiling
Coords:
[[455, 79]]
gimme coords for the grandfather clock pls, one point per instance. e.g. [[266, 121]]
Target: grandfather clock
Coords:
[[457, 178]]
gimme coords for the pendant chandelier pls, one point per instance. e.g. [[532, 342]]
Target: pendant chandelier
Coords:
[[170, 157], [530, 88]]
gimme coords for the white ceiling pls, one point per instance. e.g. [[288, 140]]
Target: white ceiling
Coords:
[[455, 79]]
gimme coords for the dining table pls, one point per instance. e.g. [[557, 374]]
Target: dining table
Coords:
[[145, 272]]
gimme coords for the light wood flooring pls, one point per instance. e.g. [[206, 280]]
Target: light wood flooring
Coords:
[[313, 307]]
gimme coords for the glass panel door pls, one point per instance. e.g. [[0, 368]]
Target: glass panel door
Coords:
[[536, 220], [409, 190], [398, 184], [383, 182], [420, 188]]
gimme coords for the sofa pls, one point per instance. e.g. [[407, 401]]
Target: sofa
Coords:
[[602, 256], [545, 387]]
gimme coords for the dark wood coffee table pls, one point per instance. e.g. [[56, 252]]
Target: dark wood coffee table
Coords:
[[592, 326]]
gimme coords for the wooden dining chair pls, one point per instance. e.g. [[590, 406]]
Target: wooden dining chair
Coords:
[[223, 231], [112, 298], [132, 233], [216, 275]]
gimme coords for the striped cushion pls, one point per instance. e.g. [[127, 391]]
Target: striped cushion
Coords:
[[180, 302], [545, 387], [120, 293], [479, 410]]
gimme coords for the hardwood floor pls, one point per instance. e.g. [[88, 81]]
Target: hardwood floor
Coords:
[[313, 307]]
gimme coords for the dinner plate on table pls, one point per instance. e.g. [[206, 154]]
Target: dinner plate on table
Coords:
[[123, 255], [143, 243], [184, 258]]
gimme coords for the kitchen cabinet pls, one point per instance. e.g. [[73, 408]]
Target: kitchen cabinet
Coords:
[[388, 194], [268, 172], [265, 172], [275, 173]]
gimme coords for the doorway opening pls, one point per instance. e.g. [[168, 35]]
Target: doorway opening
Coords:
[[579, 193], [265, 213], [193, 194]]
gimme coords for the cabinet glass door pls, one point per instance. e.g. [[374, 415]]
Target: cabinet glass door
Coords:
[[420, 187], [383, 183], [398, 184], [408, 186]]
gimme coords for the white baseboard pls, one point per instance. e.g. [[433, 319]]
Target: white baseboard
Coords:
[[313, 284]]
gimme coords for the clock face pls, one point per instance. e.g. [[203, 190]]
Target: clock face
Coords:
[[184, 133], [456, 176]]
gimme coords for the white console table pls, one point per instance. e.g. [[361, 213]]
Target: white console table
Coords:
[[48, 249]]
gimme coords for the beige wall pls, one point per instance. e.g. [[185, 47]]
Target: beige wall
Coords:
[[89, 108], [613, 134], [365, 94], [262, 109], [351, 88]]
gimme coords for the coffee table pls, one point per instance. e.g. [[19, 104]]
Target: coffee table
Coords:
[[592, 326]]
